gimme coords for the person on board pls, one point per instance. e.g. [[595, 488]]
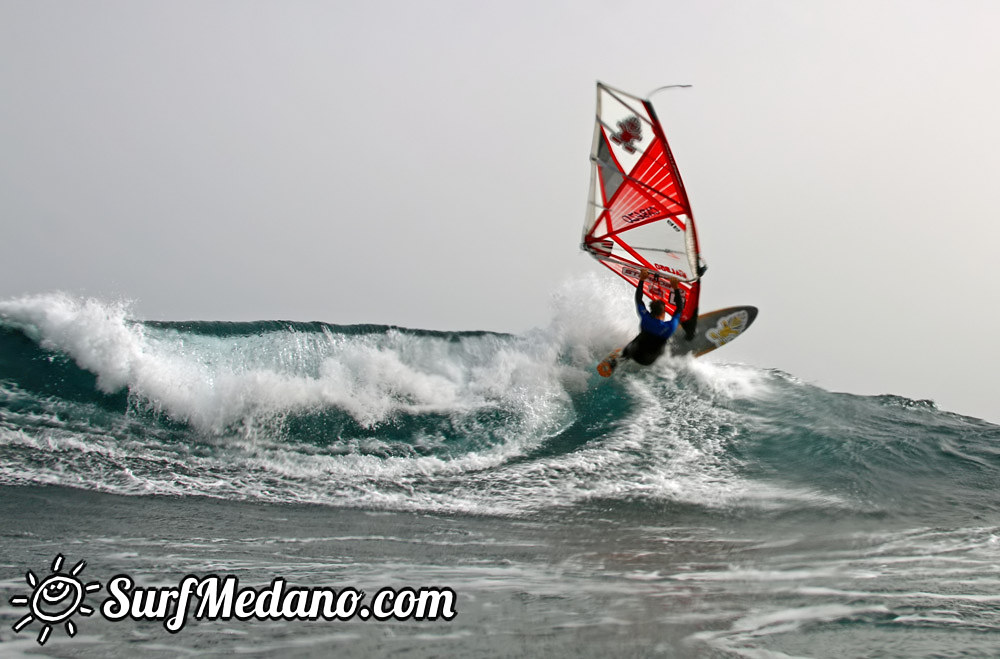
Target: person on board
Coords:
[[653, 329]]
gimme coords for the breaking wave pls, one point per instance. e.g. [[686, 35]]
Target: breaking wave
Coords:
[[477, 422]]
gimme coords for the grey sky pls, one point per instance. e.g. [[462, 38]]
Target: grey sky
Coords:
[[425, 164]]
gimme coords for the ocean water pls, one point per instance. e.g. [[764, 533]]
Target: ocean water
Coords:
[[692, 509]]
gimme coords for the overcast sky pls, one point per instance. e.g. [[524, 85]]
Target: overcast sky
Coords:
[[425, 164]]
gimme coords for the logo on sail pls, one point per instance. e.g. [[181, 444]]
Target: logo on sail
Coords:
[[629, 131], [641, 214]]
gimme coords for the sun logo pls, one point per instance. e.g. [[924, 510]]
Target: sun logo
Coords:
[[728, 328], [55, 599]]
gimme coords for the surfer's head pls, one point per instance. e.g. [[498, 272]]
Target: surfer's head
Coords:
[[657, 309]]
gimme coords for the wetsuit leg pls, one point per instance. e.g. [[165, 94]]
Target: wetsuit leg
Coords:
[[644, 349], [690, 325]]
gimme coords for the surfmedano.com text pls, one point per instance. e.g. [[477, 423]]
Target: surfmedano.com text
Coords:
[[220, 598]]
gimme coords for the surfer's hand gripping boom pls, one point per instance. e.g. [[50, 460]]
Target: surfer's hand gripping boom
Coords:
[[644, 275]]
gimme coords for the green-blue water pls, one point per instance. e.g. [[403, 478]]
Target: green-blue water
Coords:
[[694, 508]]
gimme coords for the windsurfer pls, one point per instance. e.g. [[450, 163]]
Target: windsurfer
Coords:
[[653, 329]]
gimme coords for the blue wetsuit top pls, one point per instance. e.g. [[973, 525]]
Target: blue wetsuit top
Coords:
[[653, 333]]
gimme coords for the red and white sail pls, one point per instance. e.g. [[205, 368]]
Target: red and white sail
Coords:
[[638, 214]]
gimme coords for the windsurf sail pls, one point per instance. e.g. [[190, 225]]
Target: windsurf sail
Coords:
[[638, 215]]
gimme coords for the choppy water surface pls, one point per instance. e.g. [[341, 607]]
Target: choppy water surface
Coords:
[[689, 509]]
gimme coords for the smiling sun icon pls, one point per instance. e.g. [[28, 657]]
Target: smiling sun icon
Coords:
[[55, 599]]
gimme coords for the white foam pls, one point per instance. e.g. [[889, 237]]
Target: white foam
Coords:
[[732, 381], [94, 333], [591, 317], [214, 383], [743, 636]]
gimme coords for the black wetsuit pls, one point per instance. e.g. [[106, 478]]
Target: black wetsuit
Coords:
[[653, 333]]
